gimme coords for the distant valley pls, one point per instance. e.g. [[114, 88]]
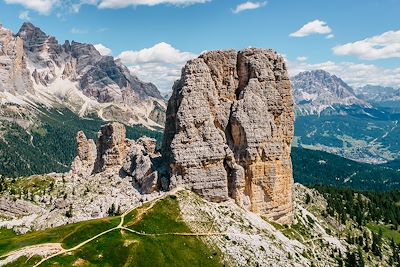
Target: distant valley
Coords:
[[360, 124]]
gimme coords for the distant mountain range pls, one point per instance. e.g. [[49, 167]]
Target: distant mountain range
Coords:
[[360, 124], [378, 94], [319, 92], [36, 71]]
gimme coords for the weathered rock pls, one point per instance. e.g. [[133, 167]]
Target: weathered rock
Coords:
[[229, 129], [138, 164], [149, 144], [111, 147], [262, 130], [36, 69], [14, 76], [83, 163]]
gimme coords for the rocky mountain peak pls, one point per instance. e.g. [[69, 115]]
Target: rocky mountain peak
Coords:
[[309, 79], [77, 76], [318, 90], [229, 130], [79, 49], [34, 38]]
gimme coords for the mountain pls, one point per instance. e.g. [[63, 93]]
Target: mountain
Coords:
[[377, 94], [49, 91], [330, 116], [220, 193], [37, 71], [318, 91]]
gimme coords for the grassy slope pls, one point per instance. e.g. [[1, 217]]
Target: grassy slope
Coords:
[[387, 232], [123, 248], [68, 235]]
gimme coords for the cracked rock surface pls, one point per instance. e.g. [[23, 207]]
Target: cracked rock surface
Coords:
[[229, 130]]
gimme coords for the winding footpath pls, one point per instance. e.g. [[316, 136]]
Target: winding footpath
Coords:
[[52, 250], [58, 250]]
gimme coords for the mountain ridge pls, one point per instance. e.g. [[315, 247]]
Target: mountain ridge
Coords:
[[74, 75]]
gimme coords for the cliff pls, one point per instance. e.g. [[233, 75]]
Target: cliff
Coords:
[[229, 129]]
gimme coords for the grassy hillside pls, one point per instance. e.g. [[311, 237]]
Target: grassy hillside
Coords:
[[49, 144], [129, 244], [320, 168]]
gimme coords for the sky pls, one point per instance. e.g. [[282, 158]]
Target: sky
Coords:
[[357, 40]]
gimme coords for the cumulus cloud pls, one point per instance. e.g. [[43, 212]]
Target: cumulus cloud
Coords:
[[354, 74], [41, 6], [386, 45], [24, 15], [126, 3], [313, 27], [248, 6], [160, 64], [159, 53], [103, 50]]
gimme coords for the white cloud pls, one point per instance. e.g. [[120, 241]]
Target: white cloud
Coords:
[[354, 74], [159, 53], [330, 36], [44, 7], [301, 58], [24, 15], [126, 3], [160, 64], [248, 6], [386, 45], [103, 50], [78, 31], [75, 7], [313, 27], [41, 6]]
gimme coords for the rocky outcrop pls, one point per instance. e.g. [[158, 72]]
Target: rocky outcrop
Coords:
[[139, 165], [229, 130], [14, 76], [112, 147], [115, 154], [86, 155]]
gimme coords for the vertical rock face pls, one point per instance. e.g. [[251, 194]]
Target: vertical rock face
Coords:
[[229, 130], [112, 147], [86, 155], [14, 77], [139, 165], [116, 154]]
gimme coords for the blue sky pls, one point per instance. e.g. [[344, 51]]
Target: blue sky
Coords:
[[359, 40]]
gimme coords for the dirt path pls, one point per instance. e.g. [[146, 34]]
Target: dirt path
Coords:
[[55, 249], [120, 226], [43, 250]]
